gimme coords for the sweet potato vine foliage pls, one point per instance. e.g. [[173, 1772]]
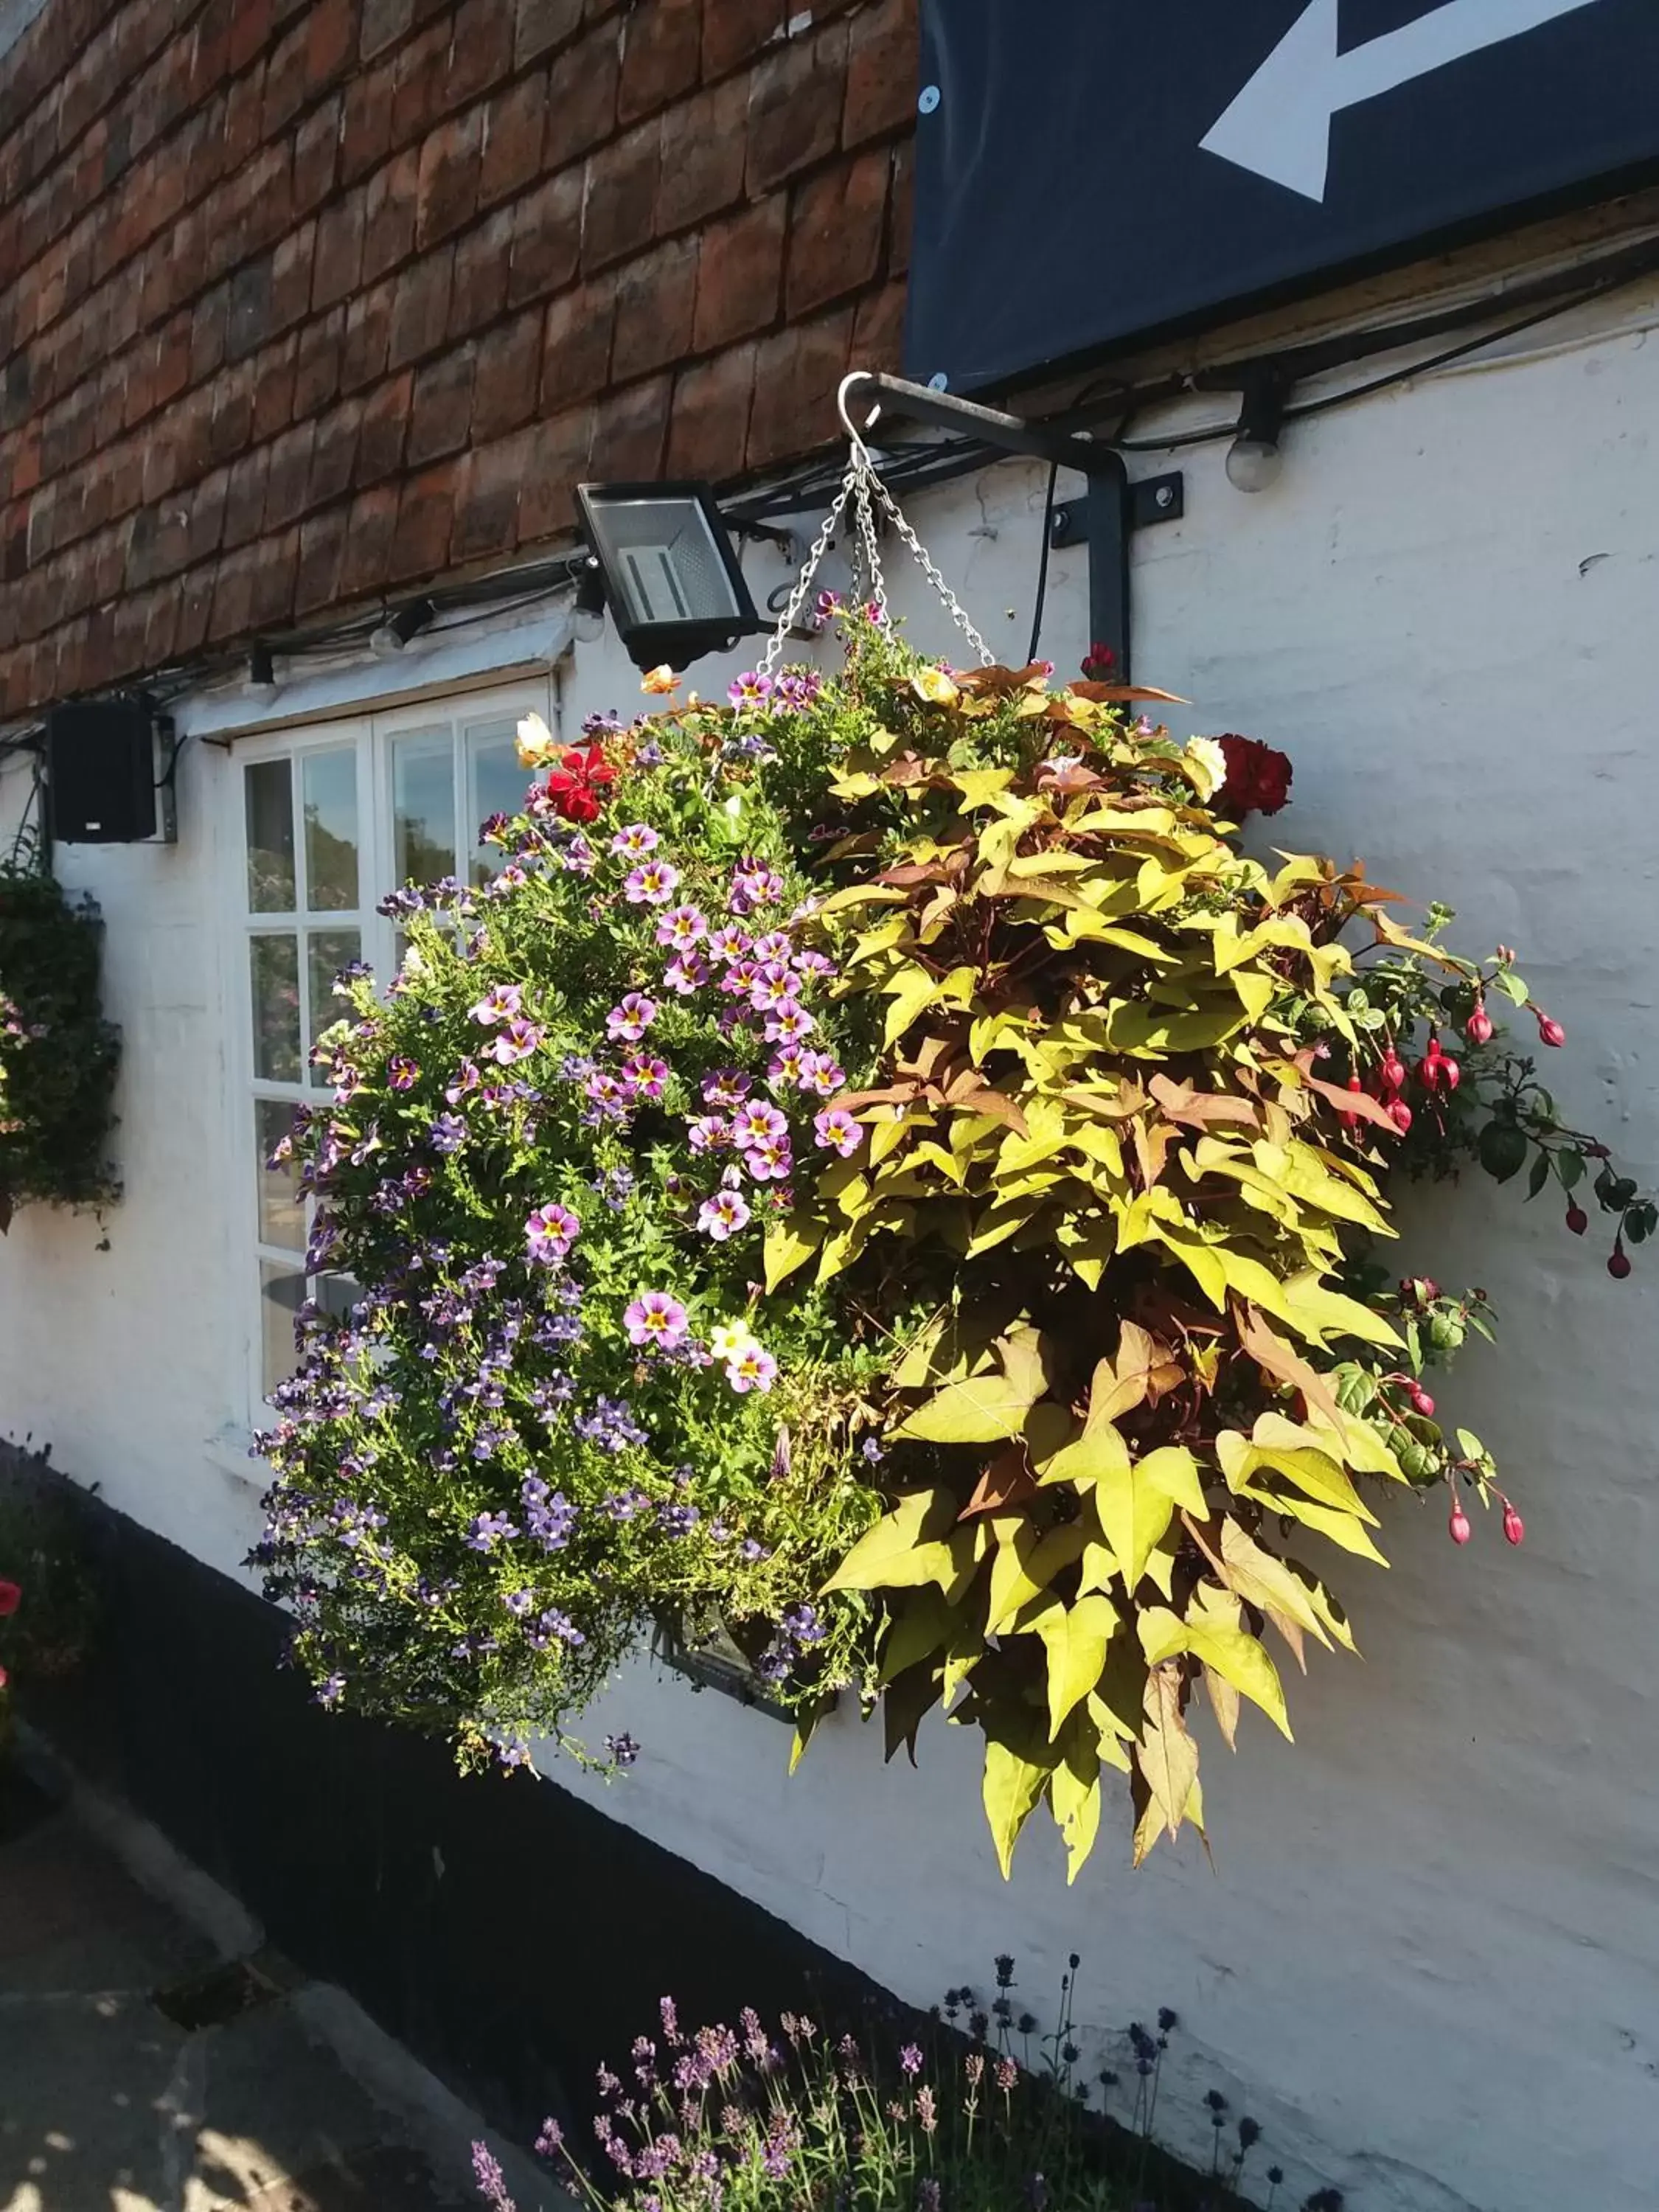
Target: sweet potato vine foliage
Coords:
[[881, 1174]]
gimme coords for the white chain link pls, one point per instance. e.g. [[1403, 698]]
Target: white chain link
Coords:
[[863, 487]]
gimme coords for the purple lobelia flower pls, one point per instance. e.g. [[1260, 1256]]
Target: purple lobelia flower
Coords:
[[624, 1751], [448, 1132], [488, 1530]]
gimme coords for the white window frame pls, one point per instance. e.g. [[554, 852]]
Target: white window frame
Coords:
[[463, 713]]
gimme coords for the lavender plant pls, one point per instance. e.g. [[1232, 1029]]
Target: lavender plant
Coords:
[[977, 2112]]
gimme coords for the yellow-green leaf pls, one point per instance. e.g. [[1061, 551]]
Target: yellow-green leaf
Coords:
[[903, 1551], [790, 1243], [1237, 1656], [1174, 1470], [1012, 1786], [987, 1409], [1076, 1640], [1074, 1795], [1134, 1514], [1166, 1755]]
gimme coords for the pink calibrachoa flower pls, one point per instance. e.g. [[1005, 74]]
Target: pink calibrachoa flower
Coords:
[[656, 1320], [632, 1018], [550, 1233], [751, 1368], [754, 884], [823, 1072], [652, 885], [687, 973], [774, 987], [604, 1089], [708, 1133], [516, 1041], [813, 964], [500, 1003], [721, 1216], [644, 1077], [741, 977], [837, 1130], [769, 1161], [682, 928], [758, 1123], [787, 1070], [726, 1086], [730, 943], [752, 689], [774, 945], [467, 1077], [788, 1024], [638, 839]]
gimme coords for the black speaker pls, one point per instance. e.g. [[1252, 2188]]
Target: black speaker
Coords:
[[100, 771]]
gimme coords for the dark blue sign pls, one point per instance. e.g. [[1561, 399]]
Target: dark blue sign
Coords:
[[1094, 171]]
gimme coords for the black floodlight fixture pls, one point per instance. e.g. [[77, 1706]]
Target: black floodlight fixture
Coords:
[[670, 573]]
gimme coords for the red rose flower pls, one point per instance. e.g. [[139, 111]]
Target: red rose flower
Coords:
[[575, 785], [1258, 779], [10, 1598]]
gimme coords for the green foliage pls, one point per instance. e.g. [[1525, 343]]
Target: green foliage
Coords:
[[43, 1554], [58, 1057]]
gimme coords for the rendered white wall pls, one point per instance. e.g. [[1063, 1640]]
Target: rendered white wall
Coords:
[[1426, 1957]]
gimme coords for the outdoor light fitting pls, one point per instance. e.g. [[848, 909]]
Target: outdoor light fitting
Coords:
[[588, 610], [261, 673], [392, 635], [667, 570], [1105, 519], [1255, 457]]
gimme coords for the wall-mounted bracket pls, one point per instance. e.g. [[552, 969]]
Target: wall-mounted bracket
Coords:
[[1111, 511]]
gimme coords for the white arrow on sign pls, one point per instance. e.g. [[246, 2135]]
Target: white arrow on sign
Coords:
[[1280, 125]]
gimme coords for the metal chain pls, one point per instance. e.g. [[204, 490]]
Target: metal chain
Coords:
[[791, 614], [863, 487]]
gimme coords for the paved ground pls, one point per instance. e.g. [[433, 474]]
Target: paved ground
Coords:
[[109, 2104]]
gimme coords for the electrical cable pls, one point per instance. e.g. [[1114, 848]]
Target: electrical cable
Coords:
[[1043, 564]]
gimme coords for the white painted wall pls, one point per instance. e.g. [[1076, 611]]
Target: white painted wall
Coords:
[[1426, 1956]]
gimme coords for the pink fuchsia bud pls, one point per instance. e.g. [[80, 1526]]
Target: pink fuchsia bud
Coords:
[[1549, 1032], [1514, 1528], [1400, 1115], [1430, 1069], [1450, 1074], [1479, 1027], [1577, 1219], [1392, 1070], [1350, 1122], [1458, 1527], [1421, 1402], [1618, 1265]]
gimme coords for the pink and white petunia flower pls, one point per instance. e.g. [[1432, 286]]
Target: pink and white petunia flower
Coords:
[[643, 1076], [500, 1003], [655, 1320]]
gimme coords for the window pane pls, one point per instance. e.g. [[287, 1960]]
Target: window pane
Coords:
[[268, 796], [281, 1209], [495, 784], [281, 1293], [330, 783], [274, 964], [328, 950], [423, 808]]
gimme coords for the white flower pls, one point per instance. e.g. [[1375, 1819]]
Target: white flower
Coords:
[[536, 744], [731, 1340], [734, 805], [1205, 758]]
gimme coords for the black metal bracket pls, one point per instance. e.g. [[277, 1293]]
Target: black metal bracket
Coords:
[[1103, 520]]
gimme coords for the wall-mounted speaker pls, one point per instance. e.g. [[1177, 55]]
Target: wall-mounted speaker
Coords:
[[102, 772]]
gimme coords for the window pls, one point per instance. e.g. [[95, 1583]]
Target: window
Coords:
[[332, 818]]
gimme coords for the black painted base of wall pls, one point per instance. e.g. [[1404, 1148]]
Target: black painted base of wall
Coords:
[[507, 1934]]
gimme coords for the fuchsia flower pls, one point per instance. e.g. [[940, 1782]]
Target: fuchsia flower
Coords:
[[682, 928], [720, 1217], [758, 1123], [730, 943], [643, 1076], [837, 1130], [751, 1368], [632, 1017], [550, 1233], [656, 1320], [500, 1003], [638, 839], [652, 885], [686, 973]]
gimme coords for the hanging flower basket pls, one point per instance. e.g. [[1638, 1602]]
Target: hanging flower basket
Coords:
[[883, 1175]]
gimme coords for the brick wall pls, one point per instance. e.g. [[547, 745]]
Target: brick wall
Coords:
[[304, 303]]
